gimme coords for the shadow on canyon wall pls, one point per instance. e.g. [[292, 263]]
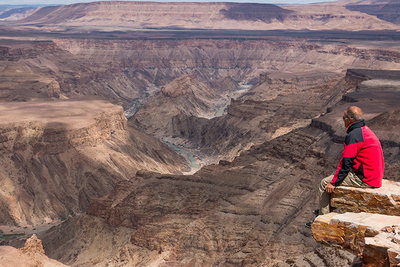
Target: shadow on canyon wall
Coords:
[[254, 12]]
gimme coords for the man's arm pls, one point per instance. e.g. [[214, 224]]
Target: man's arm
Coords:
[[352, 145]]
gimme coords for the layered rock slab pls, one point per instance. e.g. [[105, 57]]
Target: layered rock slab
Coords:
[[383, 200], [371, 236]]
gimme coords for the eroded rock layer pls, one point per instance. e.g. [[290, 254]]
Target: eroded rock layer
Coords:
[[58, 155]]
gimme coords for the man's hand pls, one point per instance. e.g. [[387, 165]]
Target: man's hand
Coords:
[[330, 188]]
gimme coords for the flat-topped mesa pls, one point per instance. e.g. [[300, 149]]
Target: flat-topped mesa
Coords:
[[53, 127], [383, 200]]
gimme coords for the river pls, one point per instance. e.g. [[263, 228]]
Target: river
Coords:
[[194, 163]]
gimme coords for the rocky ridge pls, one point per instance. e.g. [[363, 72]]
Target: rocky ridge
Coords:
[[384, 10], [120, 15]]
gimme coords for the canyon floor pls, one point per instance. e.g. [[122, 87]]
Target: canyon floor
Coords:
[[186, 134]]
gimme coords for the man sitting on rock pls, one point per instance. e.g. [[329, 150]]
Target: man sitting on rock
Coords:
[[361, 164]]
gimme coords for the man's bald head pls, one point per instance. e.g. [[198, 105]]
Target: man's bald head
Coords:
[[354, 113]]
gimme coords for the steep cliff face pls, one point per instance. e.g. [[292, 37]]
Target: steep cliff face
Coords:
[[58, 155], [253, 118]]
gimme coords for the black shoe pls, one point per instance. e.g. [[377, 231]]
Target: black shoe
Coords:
[[316, 212], [308, 224]]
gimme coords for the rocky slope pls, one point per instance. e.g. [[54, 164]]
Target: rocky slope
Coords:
[[56, 156], [239, 212], [120, 15]]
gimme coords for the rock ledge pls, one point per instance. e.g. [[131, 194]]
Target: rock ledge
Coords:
[[375, 235]]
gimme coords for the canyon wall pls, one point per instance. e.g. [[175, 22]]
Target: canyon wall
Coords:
[[123, 15], [125, 70], [58, 155]]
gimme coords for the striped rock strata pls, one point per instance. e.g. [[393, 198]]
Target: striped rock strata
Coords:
[[57, 155], [383, 200]]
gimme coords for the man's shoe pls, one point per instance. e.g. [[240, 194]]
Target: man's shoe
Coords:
[[308, 224], [316, 212]]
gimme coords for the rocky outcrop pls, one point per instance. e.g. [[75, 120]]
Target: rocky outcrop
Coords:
[[184, 96], [31, 255], [383, 200], [33, 245], [58, 155], [373, 237]]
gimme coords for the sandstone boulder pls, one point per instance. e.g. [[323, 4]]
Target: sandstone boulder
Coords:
[[383, 200]]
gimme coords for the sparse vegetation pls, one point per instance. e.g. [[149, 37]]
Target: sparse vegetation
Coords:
[[11, 236]]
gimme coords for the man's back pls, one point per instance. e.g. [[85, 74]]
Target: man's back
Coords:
[[369, 163]]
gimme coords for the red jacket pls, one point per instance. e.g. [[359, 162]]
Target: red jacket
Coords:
[[362, 155]]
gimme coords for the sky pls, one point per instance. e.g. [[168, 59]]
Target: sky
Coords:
[[60, 2]]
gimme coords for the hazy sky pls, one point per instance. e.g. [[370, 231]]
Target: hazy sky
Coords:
[[58, 2]]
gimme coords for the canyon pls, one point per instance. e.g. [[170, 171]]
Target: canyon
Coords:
[[97, 100]]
